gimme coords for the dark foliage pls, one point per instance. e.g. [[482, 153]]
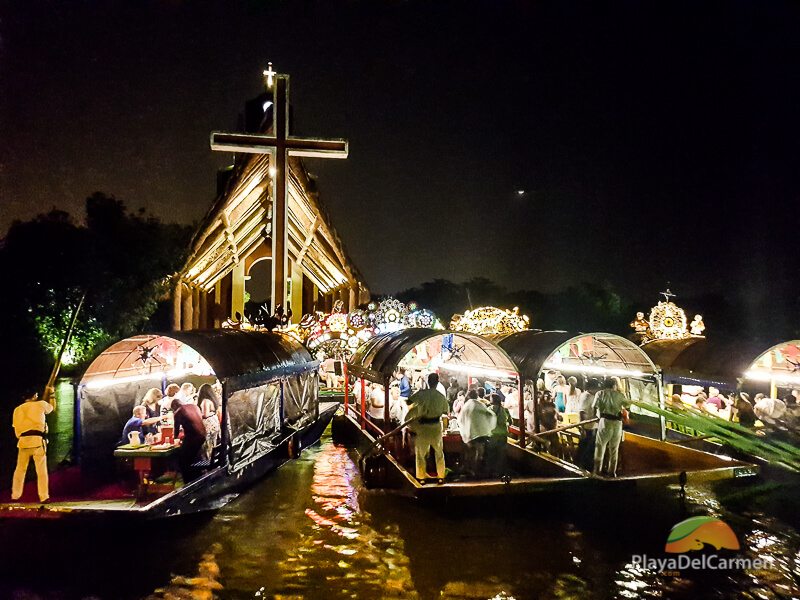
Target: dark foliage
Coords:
[[599, 307], [121, 260]]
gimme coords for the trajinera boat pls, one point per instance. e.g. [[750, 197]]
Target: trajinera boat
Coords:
[[534, 460], [269, 411]]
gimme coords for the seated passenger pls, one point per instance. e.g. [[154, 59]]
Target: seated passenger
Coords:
[[137, 423], [150, 401], [166, 403], [715, 399], [768, 410], [744, 410], [188, 418]]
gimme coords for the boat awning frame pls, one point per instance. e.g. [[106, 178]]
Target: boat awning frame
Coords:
[[379, 357], [239, 359], [701, 361], [785, 375], [531, 350]]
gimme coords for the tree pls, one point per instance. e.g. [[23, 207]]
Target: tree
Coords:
[[122, 262]]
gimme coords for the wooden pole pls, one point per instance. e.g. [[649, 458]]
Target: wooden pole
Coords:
[[363, 405], [279, 208], [346, 387], [386, 423], [57, 365], [521, 396], [565, 427]]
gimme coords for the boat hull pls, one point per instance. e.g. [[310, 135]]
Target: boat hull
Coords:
[[643, 461], [211, 491]]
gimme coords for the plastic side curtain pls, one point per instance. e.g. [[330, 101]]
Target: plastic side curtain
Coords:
[[103, 414], [643, 391], [254, 421], [300, 400]]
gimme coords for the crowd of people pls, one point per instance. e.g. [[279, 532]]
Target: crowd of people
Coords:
[[482, 412], [191, 415], [739, 407]]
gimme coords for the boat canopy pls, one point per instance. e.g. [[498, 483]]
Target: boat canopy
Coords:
[[269, 382], [379, 357], [235, 357], [700, 361], [584, 353], [780, 365]]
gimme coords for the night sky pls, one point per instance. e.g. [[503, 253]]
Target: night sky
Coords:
[[654, 142]]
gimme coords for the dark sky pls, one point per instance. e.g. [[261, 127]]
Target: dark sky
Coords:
[[655, 141]]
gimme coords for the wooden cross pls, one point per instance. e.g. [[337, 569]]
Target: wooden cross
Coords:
[[667, 295], [279, 145]]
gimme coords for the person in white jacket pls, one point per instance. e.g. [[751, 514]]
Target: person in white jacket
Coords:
[[475, 423], [30, 427]]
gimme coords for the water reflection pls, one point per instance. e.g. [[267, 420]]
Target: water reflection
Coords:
[[310, 531], [202, 586]]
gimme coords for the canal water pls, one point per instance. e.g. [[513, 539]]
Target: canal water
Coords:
[[310, 530]]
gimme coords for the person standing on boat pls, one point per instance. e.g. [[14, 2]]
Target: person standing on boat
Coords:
[[207, 401], [30, 427], [608, 404], [585, 454], [427, 408], [405, 385], [496, 448], [476, 421], [188, 417]]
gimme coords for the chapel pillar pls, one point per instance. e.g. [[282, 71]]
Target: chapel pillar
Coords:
[[176, 307], [195, 307], [237, 290], [186, 308]]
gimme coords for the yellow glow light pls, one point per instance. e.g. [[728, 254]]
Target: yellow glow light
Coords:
[[594, 369], [489, 320], [475, 370], [771, 376]]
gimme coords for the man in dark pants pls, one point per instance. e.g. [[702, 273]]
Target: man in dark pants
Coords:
[[188, 417], [585, 454]]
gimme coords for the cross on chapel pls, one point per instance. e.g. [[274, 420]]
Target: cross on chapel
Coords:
[[280, 145]]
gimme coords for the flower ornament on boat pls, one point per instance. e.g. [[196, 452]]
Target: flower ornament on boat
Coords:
[[490, 320], [388, 315], [421, 317]]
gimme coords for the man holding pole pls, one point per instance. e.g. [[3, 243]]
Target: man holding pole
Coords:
[[30, 427]]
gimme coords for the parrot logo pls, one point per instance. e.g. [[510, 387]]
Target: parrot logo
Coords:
[[694, 533]]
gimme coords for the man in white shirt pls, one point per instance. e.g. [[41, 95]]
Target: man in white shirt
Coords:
[[475, 423], [584, 456], [427, 407], [30, 427], [375, 404]]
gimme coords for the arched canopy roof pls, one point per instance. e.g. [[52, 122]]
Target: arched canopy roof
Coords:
[[700, 361], [590, 353], [239, 357], [380, 356], [780, 364]]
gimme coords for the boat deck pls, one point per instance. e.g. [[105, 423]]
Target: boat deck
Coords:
[[71, 490], [642, 460]]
